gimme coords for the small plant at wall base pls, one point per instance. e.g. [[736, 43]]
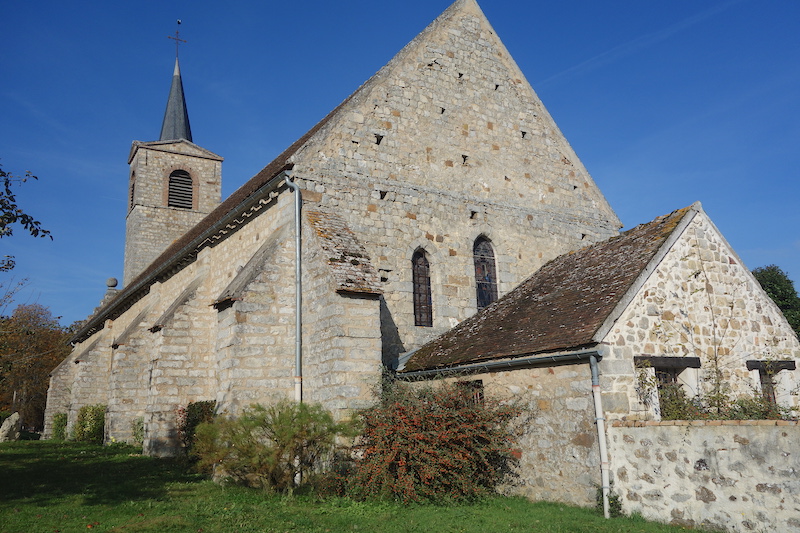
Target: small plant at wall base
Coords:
[[191, 416], [272, 447], [60, 426], [137, 429], [90, 425], [434, 444], [614, 502]]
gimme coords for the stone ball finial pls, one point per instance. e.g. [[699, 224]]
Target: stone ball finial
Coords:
[[111, 283]]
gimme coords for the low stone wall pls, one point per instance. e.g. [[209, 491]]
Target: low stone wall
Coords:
[[735, 475]]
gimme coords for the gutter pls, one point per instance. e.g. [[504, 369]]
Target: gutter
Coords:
[[298, 291], [508, 364]]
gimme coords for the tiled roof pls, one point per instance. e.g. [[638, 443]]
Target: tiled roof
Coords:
[[561, 307], [346, 257]]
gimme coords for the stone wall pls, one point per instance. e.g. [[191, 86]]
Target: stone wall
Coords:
[[700, 301], [737, 475], [560, 456]]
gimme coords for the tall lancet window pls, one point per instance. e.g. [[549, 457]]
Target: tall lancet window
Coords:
[[421, 279], [485, 272], [180, 190]]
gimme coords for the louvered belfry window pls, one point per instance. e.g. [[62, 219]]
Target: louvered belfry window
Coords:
[[180, 190], [485, 273], [421, 278]]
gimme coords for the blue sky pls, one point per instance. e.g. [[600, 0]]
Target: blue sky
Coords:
[[666, 103]]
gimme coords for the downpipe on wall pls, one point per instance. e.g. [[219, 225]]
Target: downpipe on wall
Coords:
[[298, 287], [601, 434]]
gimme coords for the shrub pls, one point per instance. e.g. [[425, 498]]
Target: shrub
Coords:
[[60, 426], [190, 417], [137, 428], [269, 447], [434, 444], [90, 425]]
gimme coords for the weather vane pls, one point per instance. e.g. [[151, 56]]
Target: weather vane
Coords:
[[177, 38]]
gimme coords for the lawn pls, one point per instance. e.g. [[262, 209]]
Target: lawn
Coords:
[[68, 487]]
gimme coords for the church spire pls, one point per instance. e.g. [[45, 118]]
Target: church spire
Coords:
[[176, 117]]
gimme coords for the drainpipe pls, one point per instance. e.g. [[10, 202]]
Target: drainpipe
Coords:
[[601, 433], [298, 287]]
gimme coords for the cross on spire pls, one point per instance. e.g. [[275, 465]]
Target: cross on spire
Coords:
[[177, 38]]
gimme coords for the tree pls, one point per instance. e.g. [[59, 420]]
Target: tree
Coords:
[[32, 344], [12, 214], [780, 288]]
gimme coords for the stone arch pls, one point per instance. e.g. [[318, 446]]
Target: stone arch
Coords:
[[485, 263], [421, 288], [181, 190]]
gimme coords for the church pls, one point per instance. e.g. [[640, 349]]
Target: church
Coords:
[[436, 224]]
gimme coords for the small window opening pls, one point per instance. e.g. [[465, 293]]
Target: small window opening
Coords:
[[473, 214], [421, 280], [378, 138], [668, 371], [383, 194], [496, 86], [524, 133], [472, 391], [767, 372], [180, 190]]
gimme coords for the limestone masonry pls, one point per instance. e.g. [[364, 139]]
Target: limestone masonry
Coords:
[[441, 179]]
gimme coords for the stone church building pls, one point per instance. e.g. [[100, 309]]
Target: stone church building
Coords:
[[420, 203]]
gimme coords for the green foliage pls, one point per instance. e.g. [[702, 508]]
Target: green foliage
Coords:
[[90, 425], [614, 502], [60, 426], [780, 288], [11, 213], [191, 416], [434, 444], [137, 428], [269, 447], [69, 486]]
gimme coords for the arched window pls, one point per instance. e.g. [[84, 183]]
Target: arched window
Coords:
[[180, 190], [485, 273], [421, 278]]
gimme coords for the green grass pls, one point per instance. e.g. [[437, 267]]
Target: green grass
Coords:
[[68, 487]]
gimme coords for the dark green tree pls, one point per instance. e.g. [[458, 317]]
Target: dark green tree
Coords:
[[11, 213], [780, 288]]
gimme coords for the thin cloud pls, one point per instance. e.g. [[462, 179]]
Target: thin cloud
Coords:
[[631, 47]]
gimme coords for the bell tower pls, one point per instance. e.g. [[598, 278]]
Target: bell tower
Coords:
[[173, 185]]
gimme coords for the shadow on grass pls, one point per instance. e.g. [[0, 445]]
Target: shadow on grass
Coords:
[[41, 472]]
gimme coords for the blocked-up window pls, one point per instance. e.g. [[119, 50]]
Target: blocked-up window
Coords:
[[670, 372], [180, 190], [421, 280], [485, 272], [768, 375]]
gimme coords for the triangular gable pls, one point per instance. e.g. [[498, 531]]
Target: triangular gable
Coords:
[[181, 146], [184, 297], [346, 258], [559, 175], [562, 306]]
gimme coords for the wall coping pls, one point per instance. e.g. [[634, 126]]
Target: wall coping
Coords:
[[649, 423]]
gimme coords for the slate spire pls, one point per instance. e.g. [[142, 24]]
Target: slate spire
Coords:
[[176, 117]]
